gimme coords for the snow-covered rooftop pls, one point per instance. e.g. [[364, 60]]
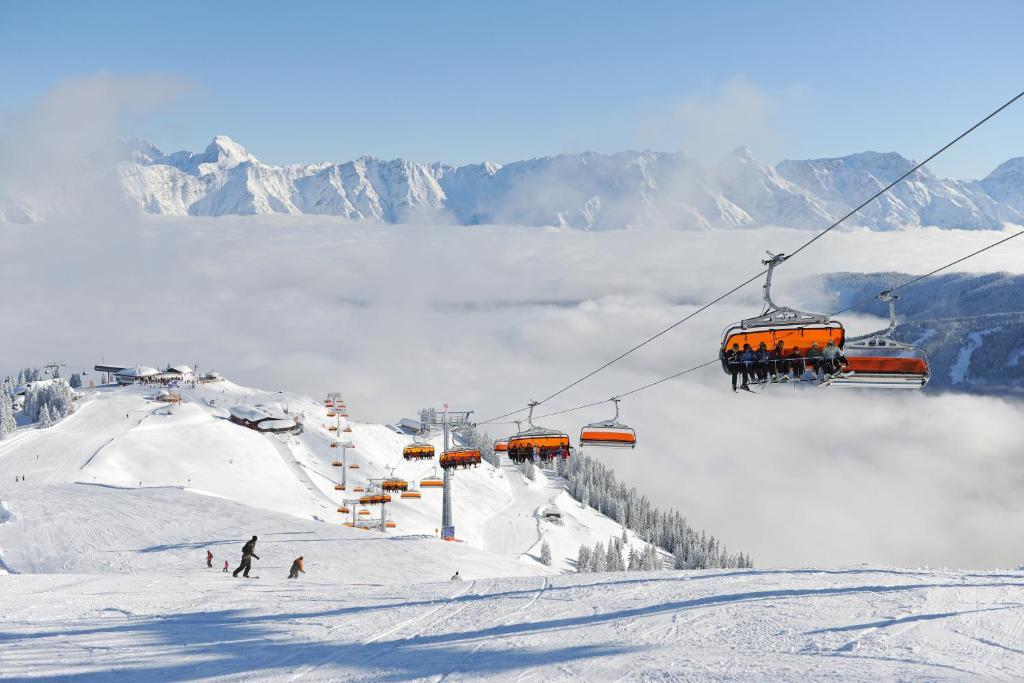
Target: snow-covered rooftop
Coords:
[[260, 412], [249, 413], [138, 371]]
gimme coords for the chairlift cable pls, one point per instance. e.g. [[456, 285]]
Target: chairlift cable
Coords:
[[915, 280]]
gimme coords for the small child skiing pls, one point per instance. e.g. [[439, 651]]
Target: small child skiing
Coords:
[[296, 568], [209, 559], [226, 568]]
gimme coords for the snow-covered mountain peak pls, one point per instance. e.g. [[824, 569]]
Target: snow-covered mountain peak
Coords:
[[143, 152], [589, 190], [741, 154], [1009, 170], [225, 153], [1006, 183], [888, 165]]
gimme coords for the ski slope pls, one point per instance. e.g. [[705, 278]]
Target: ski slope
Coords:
[[129, 484], [862, 623]]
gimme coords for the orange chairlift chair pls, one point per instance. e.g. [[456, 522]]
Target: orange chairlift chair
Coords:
[[878, 361], [610, 433], [776, 323], [549, 442]]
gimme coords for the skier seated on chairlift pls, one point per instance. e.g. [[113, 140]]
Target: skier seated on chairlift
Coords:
[[734, 363], [814, 358], [795, 363], [832, 359], [762, 359], [780, 366]]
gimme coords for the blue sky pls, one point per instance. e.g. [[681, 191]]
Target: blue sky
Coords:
[[467, 81]]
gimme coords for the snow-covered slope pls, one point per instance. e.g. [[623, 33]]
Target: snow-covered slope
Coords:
[[1006, 183], [587, 191], [862, 623], [127, 483]]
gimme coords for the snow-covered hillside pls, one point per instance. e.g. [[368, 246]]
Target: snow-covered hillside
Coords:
[[862, 623], [127, 483], [588, 191]]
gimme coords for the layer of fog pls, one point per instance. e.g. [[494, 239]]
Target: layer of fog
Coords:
[[486, 318]]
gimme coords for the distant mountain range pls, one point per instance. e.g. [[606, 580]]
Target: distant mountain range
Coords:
[[587, 191]]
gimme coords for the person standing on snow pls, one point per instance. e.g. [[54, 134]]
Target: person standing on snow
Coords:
[[225, 570], [456, 577], [296, 568], [209, 559], [248, 552]]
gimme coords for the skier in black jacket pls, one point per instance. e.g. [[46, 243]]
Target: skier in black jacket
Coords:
[[248, 552]]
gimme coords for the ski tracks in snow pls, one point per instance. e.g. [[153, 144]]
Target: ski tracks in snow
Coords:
[[506, 621], [481, 602], [306, 671]]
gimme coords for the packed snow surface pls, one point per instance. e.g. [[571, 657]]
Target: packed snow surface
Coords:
[[185, 622]]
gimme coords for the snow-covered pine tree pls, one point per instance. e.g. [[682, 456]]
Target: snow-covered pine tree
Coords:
[[616, 562], [583, 559], [679, 560], [76, 381], [651, 560], [7, 422], [528, 470], [30, 406], [545, 553], [44, 417], [634, 561], [598, 560], [610, 565]]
